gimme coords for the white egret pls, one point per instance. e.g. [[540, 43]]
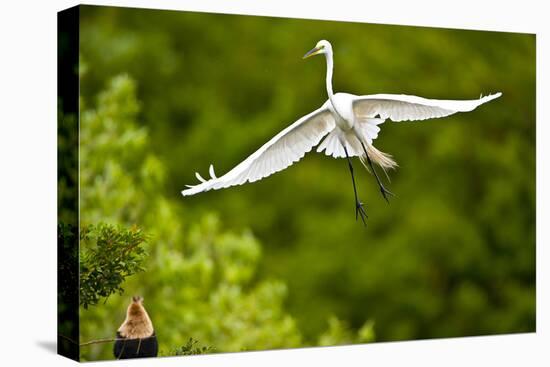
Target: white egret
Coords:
[[350, 124]]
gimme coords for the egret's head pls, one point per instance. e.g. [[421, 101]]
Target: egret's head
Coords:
[[322, 47]]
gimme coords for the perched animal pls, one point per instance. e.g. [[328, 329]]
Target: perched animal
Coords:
[[349, 124], [136, 336]]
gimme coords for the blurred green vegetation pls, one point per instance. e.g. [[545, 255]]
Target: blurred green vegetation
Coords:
[[281, 262], [199, 279]]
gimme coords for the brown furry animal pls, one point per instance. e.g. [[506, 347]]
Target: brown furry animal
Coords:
[[136, 336]]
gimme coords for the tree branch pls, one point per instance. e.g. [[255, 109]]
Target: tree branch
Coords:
[[108, 340], [98, 341]]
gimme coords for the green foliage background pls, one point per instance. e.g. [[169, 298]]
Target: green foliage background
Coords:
[[281, 262]]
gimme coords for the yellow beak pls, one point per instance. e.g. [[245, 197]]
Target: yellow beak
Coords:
[[312, 52]]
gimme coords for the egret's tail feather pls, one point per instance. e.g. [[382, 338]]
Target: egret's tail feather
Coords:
[[384, 160]]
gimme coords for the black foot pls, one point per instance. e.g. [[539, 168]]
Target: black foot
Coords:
[[360, 211], [385, 192]]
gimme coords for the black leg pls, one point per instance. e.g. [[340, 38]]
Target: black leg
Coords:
[[359, 209], [385, 192]]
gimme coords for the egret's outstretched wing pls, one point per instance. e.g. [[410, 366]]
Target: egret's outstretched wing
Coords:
[[400, 107], [287, 147]]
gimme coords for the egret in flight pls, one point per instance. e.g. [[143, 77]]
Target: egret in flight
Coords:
[[348, 124]]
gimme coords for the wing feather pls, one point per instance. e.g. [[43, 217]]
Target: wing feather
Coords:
[[287, 147], [400, 107]]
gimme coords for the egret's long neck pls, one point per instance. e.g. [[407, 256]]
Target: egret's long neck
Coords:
[[329, 82], [328, 57]]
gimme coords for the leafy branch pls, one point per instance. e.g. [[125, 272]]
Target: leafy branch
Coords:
[[192, 347], [109, 254]]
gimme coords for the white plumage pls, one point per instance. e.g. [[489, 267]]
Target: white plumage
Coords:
[[349, 124], [400, 107], [285, 148]]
